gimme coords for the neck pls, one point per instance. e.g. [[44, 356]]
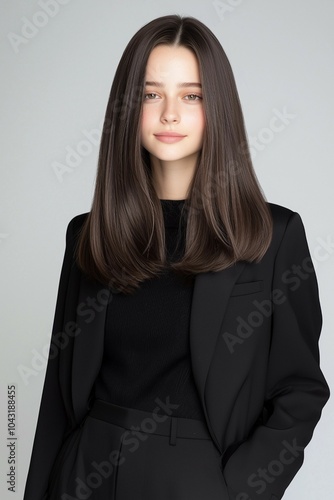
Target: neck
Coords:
[[171, 179]]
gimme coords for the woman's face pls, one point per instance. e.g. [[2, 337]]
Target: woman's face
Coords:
[[172, 103]]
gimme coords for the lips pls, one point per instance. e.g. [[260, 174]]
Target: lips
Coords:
[[169, 134], [169, 137]]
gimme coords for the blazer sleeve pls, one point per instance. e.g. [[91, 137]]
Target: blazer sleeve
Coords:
[[263, 465], [52, 420]]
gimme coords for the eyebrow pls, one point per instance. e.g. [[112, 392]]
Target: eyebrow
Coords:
[[180, 85]]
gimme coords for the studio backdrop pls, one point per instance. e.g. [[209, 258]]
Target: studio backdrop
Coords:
[[58, 62]]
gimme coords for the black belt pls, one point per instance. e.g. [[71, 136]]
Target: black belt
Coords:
[[155, 422]]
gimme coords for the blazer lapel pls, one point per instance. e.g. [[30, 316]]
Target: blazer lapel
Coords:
[[91, 310], [210, 297]]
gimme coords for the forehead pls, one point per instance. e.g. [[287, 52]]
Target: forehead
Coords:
[[168, 62]]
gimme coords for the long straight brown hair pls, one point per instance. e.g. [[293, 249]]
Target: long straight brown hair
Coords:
[[122, 241]]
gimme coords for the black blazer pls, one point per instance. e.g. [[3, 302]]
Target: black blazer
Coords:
[[254, 333]]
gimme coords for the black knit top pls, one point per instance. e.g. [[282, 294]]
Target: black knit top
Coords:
[[146, 348]]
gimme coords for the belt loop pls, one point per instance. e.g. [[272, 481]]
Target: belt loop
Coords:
[[173, 428]]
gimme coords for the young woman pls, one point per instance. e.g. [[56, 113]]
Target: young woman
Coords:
[[184, 358]]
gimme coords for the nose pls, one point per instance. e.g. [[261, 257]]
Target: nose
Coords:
[[170, 112]]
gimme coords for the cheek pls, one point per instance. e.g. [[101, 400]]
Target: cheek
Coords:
[[197, 120], [147, 118]]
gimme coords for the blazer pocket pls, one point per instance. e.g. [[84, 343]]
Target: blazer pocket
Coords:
[[247, 288]]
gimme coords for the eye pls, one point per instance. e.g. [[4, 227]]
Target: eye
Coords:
[[149, 96], [193, 97]]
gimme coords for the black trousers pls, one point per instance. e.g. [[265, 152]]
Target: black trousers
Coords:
[[122, 453]]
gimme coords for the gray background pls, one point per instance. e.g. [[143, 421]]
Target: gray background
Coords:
[[54, 87]]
